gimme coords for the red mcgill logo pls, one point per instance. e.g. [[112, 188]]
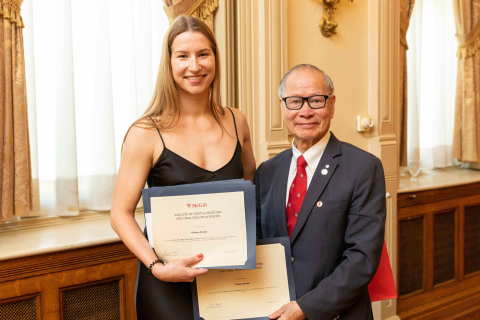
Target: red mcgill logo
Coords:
[[196, 205]]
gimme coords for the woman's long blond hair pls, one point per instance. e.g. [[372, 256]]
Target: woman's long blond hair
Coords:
[[164, 108]]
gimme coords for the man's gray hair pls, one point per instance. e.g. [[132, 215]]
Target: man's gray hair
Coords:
[[328, 81]]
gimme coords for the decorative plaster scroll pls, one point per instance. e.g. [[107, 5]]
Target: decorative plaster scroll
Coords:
[[327, 24], [201, 9]]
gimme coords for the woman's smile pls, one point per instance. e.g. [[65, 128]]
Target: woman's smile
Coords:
[[195, 79]]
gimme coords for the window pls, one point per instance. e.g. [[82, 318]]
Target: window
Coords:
[[91, 68], [432, 73]]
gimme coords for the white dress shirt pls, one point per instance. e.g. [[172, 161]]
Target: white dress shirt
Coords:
[[312, 156]]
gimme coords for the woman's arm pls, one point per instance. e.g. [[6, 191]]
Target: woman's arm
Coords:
[[248, 159], [138, 153]]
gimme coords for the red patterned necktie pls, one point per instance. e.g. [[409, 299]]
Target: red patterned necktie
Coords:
[[296, 194]]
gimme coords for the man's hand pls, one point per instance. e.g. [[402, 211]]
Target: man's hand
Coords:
[[290, 311]]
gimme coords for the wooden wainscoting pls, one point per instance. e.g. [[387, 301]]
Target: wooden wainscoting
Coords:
[[439, 253], [90, 283]]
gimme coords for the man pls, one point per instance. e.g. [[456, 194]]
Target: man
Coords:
[[329, 197]]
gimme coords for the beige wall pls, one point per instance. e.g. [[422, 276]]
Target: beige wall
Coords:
[[344, 57]]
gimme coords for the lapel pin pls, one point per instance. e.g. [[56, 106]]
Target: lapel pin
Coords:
[[327, 166], [324, 171], [319, 204]]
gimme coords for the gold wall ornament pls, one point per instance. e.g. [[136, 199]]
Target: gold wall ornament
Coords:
[[200, 9], [327, 24]]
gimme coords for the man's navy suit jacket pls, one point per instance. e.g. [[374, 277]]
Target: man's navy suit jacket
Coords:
[[336, 246]]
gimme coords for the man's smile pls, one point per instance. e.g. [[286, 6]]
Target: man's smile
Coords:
[[307, 125]]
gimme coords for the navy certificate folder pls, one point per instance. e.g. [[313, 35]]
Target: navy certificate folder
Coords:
[[285, 242], [216, 187]]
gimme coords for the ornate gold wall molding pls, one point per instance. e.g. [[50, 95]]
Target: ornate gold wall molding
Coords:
[[327, 24], [201, 9]]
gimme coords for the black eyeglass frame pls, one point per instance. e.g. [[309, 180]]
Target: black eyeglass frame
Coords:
[[306, 99]]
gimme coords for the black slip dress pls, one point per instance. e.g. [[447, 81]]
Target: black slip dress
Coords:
[[155, 299]]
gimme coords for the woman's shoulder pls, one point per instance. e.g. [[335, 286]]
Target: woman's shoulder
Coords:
[[240, 118], [241, 124], [142, 138], [141, 129]]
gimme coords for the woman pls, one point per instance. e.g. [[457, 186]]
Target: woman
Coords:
[[185, 136]]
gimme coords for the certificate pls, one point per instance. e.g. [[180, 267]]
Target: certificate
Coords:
[[214, 218], [212, 224], [247, 294]]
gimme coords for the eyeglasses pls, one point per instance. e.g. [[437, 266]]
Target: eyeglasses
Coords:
[[314, 102]]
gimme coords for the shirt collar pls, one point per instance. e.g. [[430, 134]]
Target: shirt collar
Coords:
[[312, 155]]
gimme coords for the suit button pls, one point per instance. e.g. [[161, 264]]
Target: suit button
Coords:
[[293, 259], [319, 204]]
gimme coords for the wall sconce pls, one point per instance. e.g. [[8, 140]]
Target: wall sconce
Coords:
[[327, 24]]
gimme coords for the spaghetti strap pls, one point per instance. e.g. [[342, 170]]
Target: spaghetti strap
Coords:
[[158, 132], [234, 122]]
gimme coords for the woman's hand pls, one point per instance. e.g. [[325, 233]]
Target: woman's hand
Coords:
[[179, 270]]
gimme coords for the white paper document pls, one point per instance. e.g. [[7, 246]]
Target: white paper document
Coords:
[[213, 224], [242, 294]]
